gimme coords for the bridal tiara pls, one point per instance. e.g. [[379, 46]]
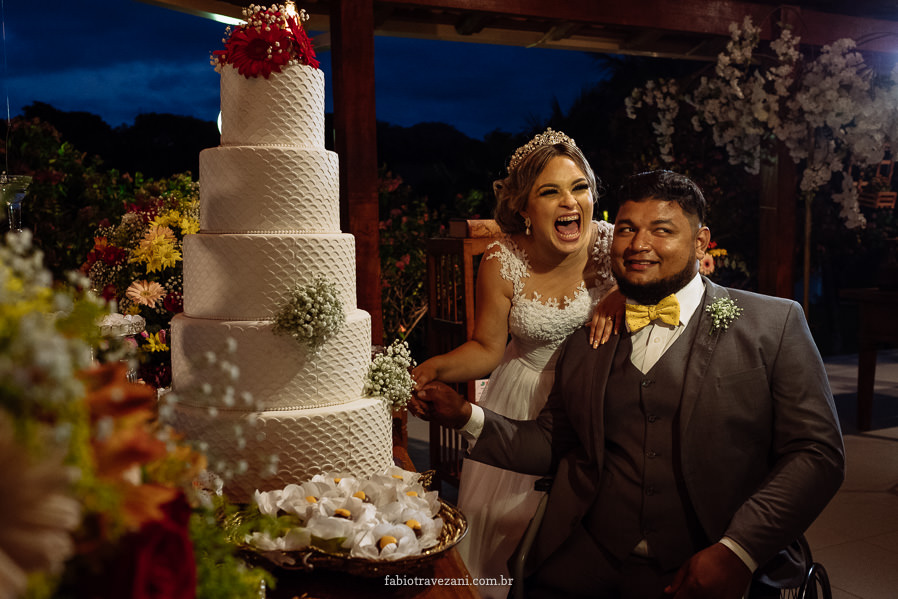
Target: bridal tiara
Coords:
[[549, 137]]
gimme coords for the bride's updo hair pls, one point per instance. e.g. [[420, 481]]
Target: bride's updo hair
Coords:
[[512, 191]]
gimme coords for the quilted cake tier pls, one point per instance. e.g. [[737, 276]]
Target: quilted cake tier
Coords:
[[251, 276], [267, 189], [354, 438], [279, 372], [285, 109]]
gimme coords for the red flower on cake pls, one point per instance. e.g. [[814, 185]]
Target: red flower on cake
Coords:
[[255, 52], [270, 40]]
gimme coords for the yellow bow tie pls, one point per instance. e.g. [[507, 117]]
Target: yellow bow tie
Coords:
[[667, 311]]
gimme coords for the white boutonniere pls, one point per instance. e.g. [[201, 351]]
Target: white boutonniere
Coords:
[[723, 311]]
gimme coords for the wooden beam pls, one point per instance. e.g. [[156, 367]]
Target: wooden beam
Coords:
[[707, 17], [604, 22], [352, 45], [818, 29], [697, 16]]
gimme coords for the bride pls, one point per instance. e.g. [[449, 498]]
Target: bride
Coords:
[[540, 282]]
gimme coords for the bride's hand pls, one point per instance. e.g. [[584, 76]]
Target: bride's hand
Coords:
[[607, 318], [423, 374]]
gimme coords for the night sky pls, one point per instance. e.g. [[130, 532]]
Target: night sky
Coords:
[[121, 58]]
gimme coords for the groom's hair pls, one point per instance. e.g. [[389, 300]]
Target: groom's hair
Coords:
[[668, 186]]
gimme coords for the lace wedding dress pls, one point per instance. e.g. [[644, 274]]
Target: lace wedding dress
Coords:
[[497, 503]]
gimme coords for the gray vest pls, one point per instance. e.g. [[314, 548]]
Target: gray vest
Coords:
[[641, 495]]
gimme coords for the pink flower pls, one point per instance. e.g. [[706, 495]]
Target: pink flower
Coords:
[[403, 262], [706, 266], [389, 184]]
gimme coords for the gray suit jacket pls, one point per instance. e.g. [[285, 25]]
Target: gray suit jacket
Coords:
[[761, 450]]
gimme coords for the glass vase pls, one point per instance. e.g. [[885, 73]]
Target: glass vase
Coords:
[[14, 188]]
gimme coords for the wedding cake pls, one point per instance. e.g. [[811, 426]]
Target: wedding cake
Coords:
[[269, 224]]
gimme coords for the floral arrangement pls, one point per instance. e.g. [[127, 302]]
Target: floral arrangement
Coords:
[[828, 113], [723, 312], [97, 496], [70, 191], [44, 340], [718, 263], [385, 517], [389, 375], [138, 264], [271, 39], [312, 315]]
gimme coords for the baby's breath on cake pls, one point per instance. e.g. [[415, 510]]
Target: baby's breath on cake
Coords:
[[389, 376], [312, 315]]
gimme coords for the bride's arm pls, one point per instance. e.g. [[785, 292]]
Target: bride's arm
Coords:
[[477, 357]]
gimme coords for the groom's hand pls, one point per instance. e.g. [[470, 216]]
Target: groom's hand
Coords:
[[438, 402], [712, 573]]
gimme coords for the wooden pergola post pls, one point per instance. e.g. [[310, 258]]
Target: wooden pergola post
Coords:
[[355, 126], [778, 206], [778, 212]]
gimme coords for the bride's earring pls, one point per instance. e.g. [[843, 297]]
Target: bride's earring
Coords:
[[527, 225]]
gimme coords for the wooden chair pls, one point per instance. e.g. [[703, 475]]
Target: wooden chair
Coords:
[[451, 271], [880, 199], [882, 180]]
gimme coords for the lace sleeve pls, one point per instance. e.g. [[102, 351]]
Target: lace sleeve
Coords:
[[513, 262]]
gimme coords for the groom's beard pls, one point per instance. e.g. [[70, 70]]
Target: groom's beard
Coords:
[[652, 293]]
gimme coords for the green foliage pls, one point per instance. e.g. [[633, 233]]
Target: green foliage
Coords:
[[220, 570], [69, 194], [406, 223]]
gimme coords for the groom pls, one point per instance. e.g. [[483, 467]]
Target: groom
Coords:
[[691, 450]]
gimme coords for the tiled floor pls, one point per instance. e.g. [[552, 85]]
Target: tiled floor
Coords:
[[856, 537]]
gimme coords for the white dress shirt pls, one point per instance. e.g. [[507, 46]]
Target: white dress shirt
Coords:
[[650, 342]]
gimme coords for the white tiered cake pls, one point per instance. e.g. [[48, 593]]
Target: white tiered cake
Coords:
[[269, 221]]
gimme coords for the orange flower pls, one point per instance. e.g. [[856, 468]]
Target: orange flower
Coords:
[[130, 443], [145, 503], [109, 394], [124, 440], [145, 293]]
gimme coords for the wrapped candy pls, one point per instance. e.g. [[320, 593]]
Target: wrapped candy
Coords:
[[400, 541], [386, 517]]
